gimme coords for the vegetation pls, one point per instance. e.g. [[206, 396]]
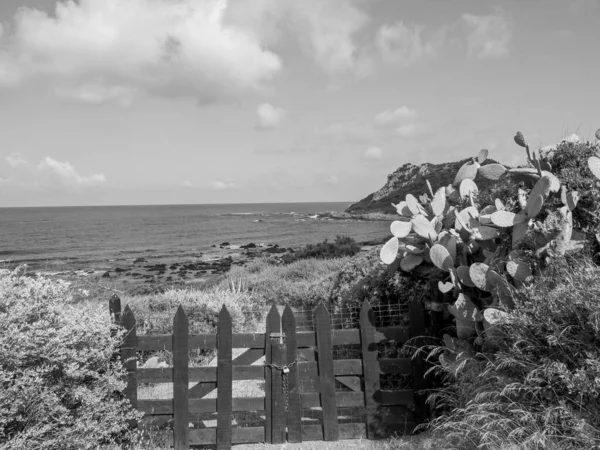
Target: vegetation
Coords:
[[59, 381], [341, 246]]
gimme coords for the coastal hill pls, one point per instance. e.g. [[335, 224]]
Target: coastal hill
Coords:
[[411, 179]]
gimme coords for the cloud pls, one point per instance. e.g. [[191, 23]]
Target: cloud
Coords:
[[64, 173], [188, 183], [108, 50], [223, 185], [404, 44], [269, 116], [372, 154], [489, 35], [395, 117], [15, 160], [331, 179]]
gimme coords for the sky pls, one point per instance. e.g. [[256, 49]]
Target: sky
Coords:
[[106, 102]]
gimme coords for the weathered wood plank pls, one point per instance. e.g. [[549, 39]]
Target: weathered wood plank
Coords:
[[200, 374], [129, 357], [245, 359], [417, 331], [181, 429], [278, 414], [257, 340], [294, 413], [200, 405], [341, 367], [322, 322], [224, 380], [347, 431], [370, 367], [273, 326], [343, 399], [353, 383], [241, 435]]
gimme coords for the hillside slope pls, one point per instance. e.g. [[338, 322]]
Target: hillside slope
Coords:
[[410, 178]]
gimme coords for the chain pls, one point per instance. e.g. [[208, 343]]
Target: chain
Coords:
[[284, 378]]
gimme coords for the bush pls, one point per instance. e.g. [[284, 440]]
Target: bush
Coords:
[[541, 387], [342, 246], [367, 278], [59, 381]]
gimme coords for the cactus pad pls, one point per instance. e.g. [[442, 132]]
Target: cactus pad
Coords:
[[506, 219], [542, 187], [534, 206], [423, 227], [467, 172], [519, 270], [389, 251], [441, 258], [410, 261], [445, 287], [400, 229], [572, 200], [465, 309], [464, 277], [492, 172], [402, 209], [438, 203], [594, 165], [413, 204], [482, 155], [598, 134], [478, 272], [468, 187]]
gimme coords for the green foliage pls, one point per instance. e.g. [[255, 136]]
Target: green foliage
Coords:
[[366, 278], [537, 385], [59, 384], [341, 246]]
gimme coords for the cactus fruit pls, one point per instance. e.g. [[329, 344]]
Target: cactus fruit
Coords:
[[520, 139]]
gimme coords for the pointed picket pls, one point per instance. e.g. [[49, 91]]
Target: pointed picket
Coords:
[[294, 414], [322, 322], [224, 380], [273, 326], [370, 367], [129, 355], [181, 428]]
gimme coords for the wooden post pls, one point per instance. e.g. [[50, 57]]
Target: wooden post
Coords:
[[294, 415], [273, 326], [114, 307], [129, 357], [370, 367], [331, 430], [181, 427], [224, 380], [417, 329], [277, 398]]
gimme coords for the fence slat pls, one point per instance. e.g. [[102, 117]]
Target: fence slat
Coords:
[[294, 414], [257, 340], [224, 380], [322, 322], [370, 367], [277, 398], [417, 329], [273, 326], [181, 429], [129, 357], [245, 359]]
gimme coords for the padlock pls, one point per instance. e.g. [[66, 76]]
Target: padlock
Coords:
[[286, 369]]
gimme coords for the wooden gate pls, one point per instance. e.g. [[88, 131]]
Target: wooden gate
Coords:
[[291, 357]]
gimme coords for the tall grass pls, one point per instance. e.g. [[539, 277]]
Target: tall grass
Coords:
[[538, 385]]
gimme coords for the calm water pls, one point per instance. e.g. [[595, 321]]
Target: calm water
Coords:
[[83, 237]]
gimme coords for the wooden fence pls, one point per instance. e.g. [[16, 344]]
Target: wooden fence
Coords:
[[290, 357]]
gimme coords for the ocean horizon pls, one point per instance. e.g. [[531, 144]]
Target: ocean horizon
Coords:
[[54, 238]]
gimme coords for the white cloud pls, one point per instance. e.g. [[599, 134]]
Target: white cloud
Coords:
[[372, 154], [65, 174], [188, 183], [331, 179], [404, 44], [269, 116], [109, 50], [395, 117], [223, 185], [15, 160], [489, 35]]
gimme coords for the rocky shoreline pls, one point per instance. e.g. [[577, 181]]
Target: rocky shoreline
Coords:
[[152, 275]]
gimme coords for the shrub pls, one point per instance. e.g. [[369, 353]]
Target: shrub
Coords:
[[538, 386], [59, 380], [342, 246]]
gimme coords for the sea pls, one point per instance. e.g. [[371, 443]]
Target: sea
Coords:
[[48, 239]]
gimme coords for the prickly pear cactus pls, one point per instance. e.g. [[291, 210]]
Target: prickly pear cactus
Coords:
[[482, 253]]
